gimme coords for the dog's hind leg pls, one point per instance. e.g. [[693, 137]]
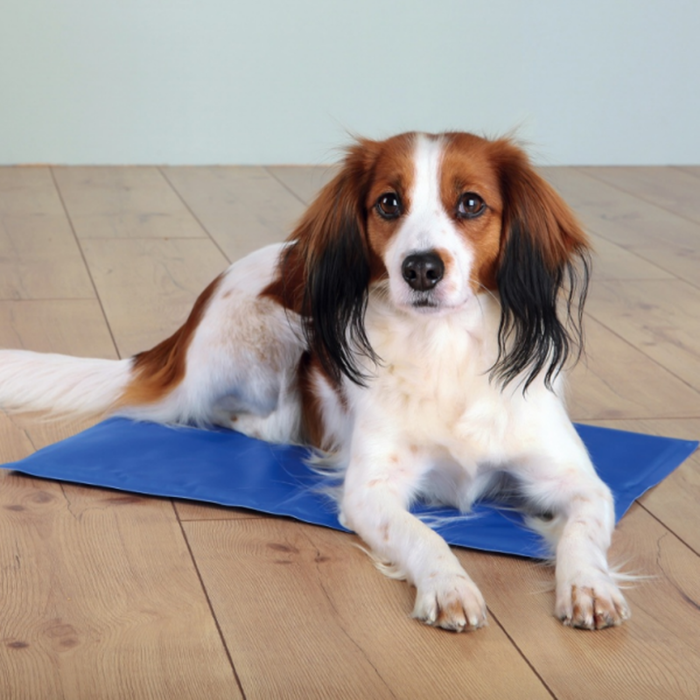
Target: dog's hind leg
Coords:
[[237, 354], [236, 362]]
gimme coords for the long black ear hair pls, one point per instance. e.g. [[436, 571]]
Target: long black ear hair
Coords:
[[328, 267], [542, 275]]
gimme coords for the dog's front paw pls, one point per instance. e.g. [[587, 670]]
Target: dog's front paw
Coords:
[[591, 604], [451, 601]]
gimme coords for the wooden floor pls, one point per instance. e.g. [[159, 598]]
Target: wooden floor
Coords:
[[109, 595]]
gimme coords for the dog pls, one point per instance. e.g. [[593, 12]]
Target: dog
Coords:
[[416, 326]]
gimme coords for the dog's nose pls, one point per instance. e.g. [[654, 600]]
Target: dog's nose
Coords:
[[422, 271]]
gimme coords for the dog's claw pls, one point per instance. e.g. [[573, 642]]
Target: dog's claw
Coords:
[[451, 601], [592, 607]]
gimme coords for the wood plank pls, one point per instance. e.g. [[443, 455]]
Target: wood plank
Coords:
[[666, 187], [693, 170], [15, 444], [43, 433], [29, 192], [675, 500], [613, 262], [243, 208], [39, 256], [124, 202], [683, 261], [101, 599], [191, 510], [39, 259], [653, 655], [305, 181], [665, 241], [148, 287], [620, 217], [661, 318], [306, 615], [292, 626], [71, 327], [616, 379]]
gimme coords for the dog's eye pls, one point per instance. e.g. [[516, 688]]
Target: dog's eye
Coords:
[[470, 205], [389, 205]]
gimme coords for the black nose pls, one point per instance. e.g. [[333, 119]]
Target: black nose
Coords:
[[423, 271]]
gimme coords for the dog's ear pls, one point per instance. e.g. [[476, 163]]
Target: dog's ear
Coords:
[[542, 275], [331, 262]]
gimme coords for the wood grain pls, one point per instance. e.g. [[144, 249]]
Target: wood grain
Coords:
[[615, 379], [670, 188], [71, 327], [148, 287], [651, 656], [662, 319], [190, 510], [304, 181], [619, 216], [127, 202], [663, 239], [101, 599], [15, 444], [693, 170], [39, 256], [674, 502], [102, 595], [242, 208], [306, 615], [28, 192], [613, 262]]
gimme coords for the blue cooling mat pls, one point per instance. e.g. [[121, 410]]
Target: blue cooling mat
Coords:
[[224, 467]]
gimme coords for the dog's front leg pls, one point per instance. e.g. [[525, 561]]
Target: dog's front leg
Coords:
[[587, 595], [380, 482]]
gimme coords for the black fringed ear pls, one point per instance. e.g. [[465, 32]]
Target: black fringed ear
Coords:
[[335, 295], [330, 251], [542, 276]]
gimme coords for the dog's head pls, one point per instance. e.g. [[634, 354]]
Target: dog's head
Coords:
[[439, 219]]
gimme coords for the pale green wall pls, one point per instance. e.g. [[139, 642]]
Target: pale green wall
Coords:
[[274, 81]]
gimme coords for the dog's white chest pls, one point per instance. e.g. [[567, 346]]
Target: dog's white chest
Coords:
[[432, 383]]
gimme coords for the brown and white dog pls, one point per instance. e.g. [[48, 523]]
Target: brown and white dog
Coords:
[[415, 325]]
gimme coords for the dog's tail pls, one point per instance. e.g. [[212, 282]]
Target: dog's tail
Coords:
[[141, 387], [61, 385]]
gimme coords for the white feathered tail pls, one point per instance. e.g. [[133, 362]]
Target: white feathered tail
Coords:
[[60, 384]]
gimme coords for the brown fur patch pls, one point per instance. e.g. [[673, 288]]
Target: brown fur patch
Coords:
[[533, 203], [467, 166], [503, 176], [158, 371], [312, 423], [287, 287], [393, 173]]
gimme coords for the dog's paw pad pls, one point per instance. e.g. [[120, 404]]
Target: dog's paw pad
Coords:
[[452, 602], [592, 607]]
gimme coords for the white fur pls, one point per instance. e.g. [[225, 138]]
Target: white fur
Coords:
[[241, 366], [33, 381], [428, 227], [430, 423], [241, 363]]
